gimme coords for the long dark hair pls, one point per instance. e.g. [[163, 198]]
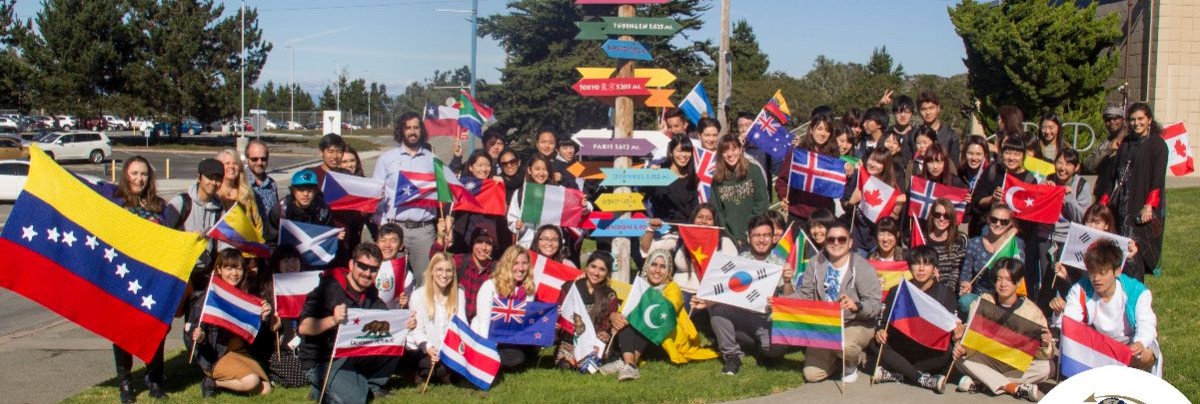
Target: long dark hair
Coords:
[[1155, 129], [829, 148], [600, 296], [475, 157], [935, 152], [685, 144], [398, 132], [148, 197], [358, 165]]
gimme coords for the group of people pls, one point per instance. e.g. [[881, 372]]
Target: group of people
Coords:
[[458, 264]]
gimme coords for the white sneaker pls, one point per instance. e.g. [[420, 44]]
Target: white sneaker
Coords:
[[1029, 392], [612, 367], [966, 385], [850, 377], [628, 373]]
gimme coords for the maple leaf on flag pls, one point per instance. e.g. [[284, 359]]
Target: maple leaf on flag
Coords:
[[1180, 148], [872, 197]]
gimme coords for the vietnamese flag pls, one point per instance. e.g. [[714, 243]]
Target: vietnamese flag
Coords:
[[1033, 202], [701, 243]]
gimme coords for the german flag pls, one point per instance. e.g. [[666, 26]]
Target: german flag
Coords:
[[1003, 335]]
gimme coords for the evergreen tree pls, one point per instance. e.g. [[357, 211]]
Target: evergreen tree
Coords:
[[15, 71], [80, 53], [749, 62]]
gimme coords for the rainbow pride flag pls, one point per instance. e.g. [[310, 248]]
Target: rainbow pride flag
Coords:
[[810, 323], [786, 249]]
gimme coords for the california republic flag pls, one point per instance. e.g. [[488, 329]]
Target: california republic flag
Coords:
[[371, 333], [878, 199], [1179, 153], [574, 319], [740, 282]]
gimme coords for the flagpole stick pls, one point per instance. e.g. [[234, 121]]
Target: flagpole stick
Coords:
[[957, 344], [984, 269], [324, 384], [886, 325], [842, 314], [192, 355], [432, 367]]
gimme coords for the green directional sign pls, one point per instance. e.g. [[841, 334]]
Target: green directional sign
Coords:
[[642, 26]]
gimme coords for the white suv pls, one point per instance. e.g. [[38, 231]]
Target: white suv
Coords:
[[7, 122], [115, 123], [90, 146], [66, 122]]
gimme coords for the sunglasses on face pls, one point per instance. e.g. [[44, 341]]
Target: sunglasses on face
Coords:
[[366, 267], [940, 216], [256, 159], [509, 162], [837, 240], [998, 221]]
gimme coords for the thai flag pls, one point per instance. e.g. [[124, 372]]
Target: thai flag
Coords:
[[925, 192], [291, 289], [706, 167], [818, 174], [1084, 348], [346, 192], [922, 318], [470, 355], [231, 309]]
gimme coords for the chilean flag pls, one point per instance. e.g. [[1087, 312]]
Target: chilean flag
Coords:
[[231, 309], [470, 355], [291, 289], [922, 318], [347, 192], [1084, 348]]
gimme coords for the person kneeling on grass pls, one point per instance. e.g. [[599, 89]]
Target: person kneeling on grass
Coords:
[[996, 376], [224, 357], [1116, 305], [904, 359], [435, 304], [601, 304], [511, 280]]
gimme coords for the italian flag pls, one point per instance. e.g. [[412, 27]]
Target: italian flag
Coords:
[[551, 204], [550, 275]]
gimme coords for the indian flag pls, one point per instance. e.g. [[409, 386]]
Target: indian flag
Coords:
[[551, 204]]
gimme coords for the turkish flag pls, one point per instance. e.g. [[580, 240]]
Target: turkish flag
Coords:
[[701, 243], [1033, 202]]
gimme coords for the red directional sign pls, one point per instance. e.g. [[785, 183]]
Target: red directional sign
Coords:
[[626, 86]]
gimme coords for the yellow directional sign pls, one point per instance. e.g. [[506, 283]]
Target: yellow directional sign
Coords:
[[595, 72], [658, 77], [631, 202]]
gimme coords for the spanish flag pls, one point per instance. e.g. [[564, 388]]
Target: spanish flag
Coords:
[[93, 262], [1003, 335], [890, 273]]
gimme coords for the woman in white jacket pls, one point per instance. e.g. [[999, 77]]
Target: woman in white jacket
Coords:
[[510, 280], [434, 305]]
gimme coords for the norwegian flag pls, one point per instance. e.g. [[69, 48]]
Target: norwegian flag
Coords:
[[925, 192], [818, 174], [706, 167]]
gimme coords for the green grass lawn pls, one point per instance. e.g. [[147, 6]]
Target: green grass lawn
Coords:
[[1175, 304]]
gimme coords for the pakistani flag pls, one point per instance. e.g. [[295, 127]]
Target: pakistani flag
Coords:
[[653, 316]]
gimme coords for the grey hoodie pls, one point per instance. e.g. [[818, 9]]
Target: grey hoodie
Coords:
[[204, 216]]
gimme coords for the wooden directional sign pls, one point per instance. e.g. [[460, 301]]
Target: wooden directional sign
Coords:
[[615, 87], [631, 202], [590, 169], [631, 50], [660, 98], [598, 217], [621, 1], [656, 77], [595, 72], [637, 177], [615, 147], [643, 26], [624, 228], [658, 138]]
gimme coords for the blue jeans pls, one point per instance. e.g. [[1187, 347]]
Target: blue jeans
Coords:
[[351, 379]]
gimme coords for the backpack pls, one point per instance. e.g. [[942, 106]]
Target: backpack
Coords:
[[185, 210]]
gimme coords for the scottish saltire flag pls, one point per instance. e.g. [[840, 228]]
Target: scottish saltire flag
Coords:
[[769, 134], [371, 332], [523, 323], [739, 282], [470, 355], [317, 244], [231, 309], [921, 317], [818, 174], [345, 192], [291, 290], [236, 229], [473, 115], [93, 262], [810, 323], [923, 193], [695, 105], [1084, 348], [706, 168], [441, 120]]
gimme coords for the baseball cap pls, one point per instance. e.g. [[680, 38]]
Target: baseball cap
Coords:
[[1113, 111], [304, 177], [211, 168], [484, 234]]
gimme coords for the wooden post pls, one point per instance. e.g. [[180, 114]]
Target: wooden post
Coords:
[[724, 76], [623, 129]]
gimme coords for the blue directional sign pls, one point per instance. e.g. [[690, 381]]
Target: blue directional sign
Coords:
[[631, 50], [637, 177], [624, 228]]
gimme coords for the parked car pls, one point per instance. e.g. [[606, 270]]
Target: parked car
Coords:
[[11, 147], [293, 125], [7, 122], [14, 174], [313, 126], [116, 123], [189, 126], [90, 146], [45, 121], [272, 125], [66, 122], [95, 123], [140, 124]]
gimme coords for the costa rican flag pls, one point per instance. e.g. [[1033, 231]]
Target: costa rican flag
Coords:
[[706, 167], [232, 310], [470, 355], [925, 192], [818, 174]]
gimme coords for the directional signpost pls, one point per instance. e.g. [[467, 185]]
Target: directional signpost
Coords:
[[631, 50], [620, 202], [637, 177], [624, 228], [616, 87], [659, 140], [615, 147], [656, 77], [643, 26], [590, 169]]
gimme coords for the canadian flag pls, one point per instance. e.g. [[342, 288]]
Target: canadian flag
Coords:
[[878, 199], [1180, 154]]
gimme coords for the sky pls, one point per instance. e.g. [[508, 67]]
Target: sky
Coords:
[[397, 42]]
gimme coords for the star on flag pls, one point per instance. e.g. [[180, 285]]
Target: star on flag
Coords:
[[110, 254], [122, 270], [28, 233], [68, 238], [134, 286], [52, 234], [91, 242]]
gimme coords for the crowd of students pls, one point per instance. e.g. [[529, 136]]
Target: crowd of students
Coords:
[[458, 263]]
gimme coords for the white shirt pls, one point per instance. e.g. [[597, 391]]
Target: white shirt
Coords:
[[1109, 317], [482, 322], [432, 332], [387, 169]]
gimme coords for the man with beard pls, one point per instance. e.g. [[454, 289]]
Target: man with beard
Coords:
[[412, 154]]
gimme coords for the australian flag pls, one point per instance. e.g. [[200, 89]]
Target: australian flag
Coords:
[[519, 322], [769, 135], [818, 174]]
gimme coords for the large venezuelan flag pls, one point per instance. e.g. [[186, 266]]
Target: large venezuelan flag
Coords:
[[808, 323], [1002, 335], [91, 261]]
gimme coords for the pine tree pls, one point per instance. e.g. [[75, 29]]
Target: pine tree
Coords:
[[79, 53], [749, 62], [15, 71]]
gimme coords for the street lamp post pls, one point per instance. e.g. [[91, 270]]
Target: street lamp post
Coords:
[[474, 11], [292, 90]]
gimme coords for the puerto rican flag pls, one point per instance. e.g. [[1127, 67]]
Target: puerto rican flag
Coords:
[[344, 192], [291, 289], [1084, 348], [418, 186], [470, 355], [232, 310], [706, 167], [925, 192], [818, 174], [550, 275]]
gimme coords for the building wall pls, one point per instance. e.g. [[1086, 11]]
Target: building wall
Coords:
[[1176, 80], [1133, 50]]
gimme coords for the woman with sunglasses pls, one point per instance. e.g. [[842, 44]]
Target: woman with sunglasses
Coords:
[[510, 172], [1001, 228], [1136, 187], [941, 233]]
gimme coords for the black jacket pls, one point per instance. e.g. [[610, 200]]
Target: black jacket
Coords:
[[330, 292]]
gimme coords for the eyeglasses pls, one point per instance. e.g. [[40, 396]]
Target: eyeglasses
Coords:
[[366, 267], [998, 221], [940, 216], [837, 240], [510, 162], [256, 159]]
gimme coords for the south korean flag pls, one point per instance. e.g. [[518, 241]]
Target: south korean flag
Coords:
[[1080, 237], [740, 282]]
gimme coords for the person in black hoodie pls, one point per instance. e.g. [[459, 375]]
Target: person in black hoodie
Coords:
[[1135, 188], [304, 203]]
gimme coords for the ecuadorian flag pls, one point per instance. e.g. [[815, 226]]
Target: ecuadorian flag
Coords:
[[92, 262]]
